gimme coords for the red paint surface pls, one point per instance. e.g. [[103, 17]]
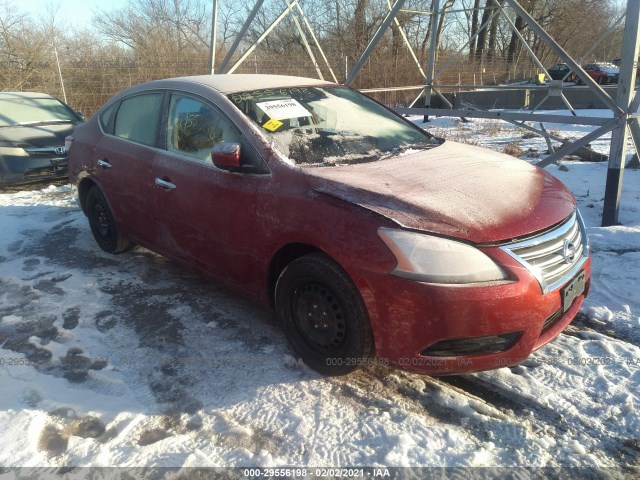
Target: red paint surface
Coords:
[[231, 226]]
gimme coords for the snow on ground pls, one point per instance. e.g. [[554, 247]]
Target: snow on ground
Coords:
[[131, 360]]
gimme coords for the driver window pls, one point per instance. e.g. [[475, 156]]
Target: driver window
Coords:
[[194, 127]]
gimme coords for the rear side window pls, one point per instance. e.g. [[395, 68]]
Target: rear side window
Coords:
[[105, 119], [137, 118]]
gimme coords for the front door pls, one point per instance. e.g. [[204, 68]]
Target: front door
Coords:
[[205, 214]]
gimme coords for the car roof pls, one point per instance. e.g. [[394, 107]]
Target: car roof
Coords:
[[240, 82], [24, 95]]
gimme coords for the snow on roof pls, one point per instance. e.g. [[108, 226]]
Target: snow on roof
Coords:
[[241, 82]]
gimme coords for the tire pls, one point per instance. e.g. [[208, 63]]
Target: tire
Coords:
[[601, 80], [323, 315], [103, 225]]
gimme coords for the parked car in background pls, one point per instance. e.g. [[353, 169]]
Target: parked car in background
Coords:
[[369, 237], [602, 73], [617, 61], [33, 127], [561, 71]]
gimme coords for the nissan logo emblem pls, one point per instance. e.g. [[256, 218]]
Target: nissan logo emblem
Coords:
[[569, 251], [60, 150]]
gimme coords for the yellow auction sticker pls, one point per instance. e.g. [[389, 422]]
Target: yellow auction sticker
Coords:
[[272, 125]]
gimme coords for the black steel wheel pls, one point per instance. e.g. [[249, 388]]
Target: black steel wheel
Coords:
[[103, 226], [323, 315]]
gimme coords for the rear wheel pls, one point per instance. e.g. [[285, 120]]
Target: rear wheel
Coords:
[[323, 315], [103, 226]]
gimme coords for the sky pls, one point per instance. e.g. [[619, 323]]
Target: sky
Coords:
[[79, 12]]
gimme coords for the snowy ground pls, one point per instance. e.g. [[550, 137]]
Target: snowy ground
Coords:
[[132, 361]]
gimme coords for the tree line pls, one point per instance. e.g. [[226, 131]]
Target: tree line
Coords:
[[150, 39]]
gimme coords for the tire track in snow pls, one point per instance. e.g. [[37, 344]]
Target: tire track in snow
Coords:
[[488, 411], [563, 422]]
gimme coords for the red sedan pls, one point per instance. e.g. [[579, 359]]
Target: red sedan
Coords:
[[602, 73], [371, 239]]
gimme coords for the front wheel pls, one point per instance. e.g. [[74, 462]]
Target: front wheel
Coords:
[[323, 315], [103, 226]]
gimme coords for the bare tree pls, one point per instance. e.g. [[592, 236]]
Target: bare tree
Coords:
[[156, 28]]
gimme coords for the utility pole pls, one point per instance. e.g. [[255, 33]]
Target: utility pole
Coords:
[[433, 51], [619, 135], [214, 33]]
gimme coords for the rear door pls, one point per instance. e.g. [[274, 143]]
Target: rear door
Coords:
[[206, 215], [124, 159]]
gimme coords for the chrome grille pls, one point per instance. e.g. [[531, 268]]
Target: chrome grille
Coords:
[[47, 151], [554, 257]]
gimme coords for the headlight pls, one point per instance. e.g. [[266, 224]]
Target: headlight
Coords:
[[427, 258], [12, 151]]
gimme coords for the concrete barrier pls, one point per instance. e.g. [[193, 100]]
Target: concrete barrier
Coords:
[[527, 98]]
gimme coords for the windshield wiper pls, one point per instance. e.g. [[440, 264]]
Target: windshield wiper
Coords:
[[403, 148]]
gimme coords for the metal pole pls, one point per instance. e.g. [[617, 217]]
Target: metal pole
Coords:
[[635, 103], [576, 144], [522, 40], [374, 42], [214, 34], [240, 35], [516, 116], [466, 44], [626, 84], [304, 40], [538, 30], [64, 94], [565, 100], [315, 40], [273, 25], [634, 128], [433, 52], [407, 43], [604, 36], [542, 131]]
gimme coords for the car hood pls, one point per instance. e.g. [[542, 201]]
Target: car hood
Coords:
[[453, 189], [37, 136], [610, 70]]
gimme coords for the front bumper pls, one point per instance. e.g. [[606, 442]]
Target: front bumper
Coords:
[[32, 169], [409, 317]]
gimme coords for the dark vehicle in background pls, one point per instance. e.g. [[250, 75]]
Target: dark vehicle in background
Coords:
[[368, 236], [33, 127], [561, 70], [603, 73]]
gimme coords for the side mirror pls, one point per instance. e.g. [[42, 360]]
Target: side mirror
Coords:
[[226, 155]]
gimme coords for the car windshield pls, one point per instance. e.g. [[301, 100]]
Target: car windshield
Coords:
[[330, 125], [34, 111]]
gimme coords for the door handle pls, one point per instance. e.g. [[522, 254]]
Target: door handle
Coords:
[[165, 184], [104, 163]]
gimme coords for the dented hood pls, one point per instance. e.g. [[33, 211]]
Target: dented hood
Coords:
[[453, 189]]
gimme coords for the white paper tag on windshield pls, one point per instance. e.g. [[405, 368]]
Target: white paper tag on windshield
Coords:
[[283, 109]]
